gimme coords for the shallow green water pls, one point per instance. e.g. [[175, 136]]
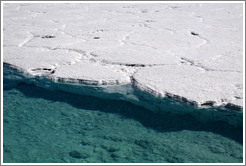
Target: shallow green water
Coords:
[[52, 126]]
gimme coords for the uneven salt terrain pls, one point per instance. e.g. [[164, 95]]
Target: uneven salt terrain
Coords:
[[167, 81], [191, 51]]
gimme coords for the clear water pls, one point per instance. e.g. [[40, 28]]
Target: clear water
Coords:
[[51, 126]]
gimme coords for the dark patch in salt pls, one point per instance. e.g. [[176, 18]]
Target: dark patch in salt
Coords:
[[135, 65], [47, 36], [208, 103], [193, 33]]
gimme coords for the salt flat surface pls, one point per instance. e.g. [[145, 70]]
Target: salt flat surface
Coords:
[[193, 51]]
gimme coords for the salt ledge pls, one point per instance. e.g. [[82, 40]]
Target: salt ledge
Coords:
[[192, 52]]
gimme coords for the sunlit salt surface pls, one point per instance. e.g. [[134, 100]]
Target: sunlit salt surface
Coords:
[[41, 126]]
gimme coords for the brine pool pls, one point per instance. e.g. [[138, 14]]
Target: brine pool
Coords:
[[42, 126]]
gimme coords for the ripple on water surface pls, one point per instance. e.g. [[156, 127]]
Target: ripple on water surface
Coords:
[[52, 126]]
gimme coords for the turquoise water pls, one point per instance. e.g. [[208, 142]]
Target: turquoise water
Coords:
[[51, 126]]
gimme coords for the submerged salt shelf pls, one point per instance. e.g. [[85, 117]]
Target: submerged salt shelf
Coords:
[[166, 60], [132, 94]]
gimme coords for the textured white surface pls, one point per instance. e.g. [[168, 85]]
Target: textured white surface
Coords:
[[193, 51], [191, 83]]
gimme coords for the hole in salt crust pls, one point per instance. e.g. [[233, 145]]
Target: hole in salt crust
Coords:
[[193, 33]]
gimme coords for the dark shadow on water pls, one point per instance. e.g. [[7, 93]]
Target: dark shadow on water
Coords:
[[161, 122]]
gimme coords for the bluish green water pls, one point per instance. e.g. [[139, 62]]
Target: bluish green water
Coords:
[[52, 126]]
